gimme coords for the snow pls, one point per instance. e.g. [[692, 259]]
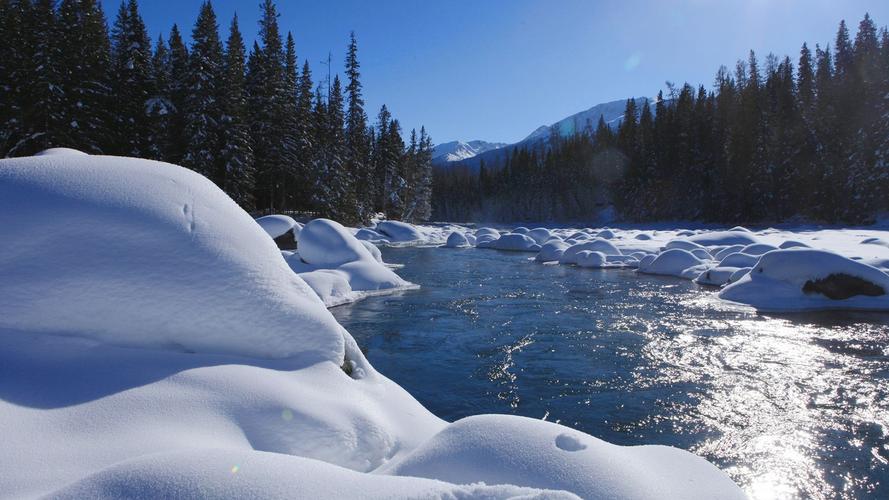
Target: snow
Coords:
[[366, 234], [783, 280], [503, 449], [540, 234], [457, 240], [399, 231], [512, 242], [99, 246], [339, 267], [60, 151], [589, 258], [552, 251], [671, 263], [733, 237], [596, 245], [276, 225], [167, 350]]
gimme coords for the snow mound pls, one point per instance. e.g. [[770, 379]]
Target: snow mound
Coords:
[[671, 263], [512, 242], [457, 240], [399, 231], [521, 230], [60, 151], [683, 244], [551, 251], [758, 249], [716, 276], [802, 279], [143, 239], [216, 473], [792, 244], [606, 234], [591, 259], [365, 234], [739, 260], [339, 267], [736, 236], [503, 449], [540, 234], [487, 231], [643, 237], [276, 225], [726, 251], [596, 245]]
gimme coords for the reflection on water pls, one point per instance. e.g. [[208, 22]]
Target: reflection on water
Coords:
[[788, 406]]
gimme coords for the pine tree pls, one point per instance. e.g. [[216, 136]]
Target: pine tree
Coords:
[[203, 109], [158, 106], [383, 169], [85, 54], [288, 125], [177, 140], [131, 82], [43, 119], [236, 155], [358, 161], [305, 141], [12, 73]]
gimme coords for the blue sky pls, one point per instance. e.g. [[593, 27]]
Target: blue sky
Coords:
[[497, 69]]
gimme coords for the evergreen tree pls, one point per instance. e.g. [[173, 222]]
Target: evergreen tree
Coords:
[[357, 152], [236, 154], [12, 74], [203, 109], [131, 82], [305, 141], [177, 141], [158, 106]]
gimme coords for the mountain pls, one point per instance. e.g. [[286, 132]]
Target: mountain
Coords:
[[612, 112], [459, 150]]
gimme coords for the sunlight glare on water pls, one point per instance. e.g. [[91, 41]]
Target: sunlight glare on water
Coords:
[[792, 406]]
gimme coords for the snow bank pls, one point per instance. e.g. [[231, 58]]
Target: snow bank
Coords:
[[100, 246], [512, 242], [365, 234], [671, 263], [503, 449], [457, 240], [216, 473], [339, 267], [801, 279], [732, 237], [399, 231], [60, 151]]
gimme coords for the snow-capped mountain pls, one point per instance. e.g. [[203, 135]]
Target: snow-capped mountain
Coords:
[[470, 154], [459, 150]]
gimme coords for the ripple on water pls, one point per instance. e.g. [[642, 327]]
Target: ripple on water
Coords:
[[788, 406]]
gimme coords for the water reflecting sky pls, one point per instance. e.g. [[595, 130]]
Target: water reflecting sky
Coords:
[[788, 406]]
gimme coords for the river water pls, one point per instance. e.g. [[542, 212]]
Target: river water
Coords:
[[789, 406]]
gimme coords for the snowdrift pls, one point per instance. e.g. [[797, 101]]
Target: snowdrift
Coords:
[[102, 247], [514, 242]]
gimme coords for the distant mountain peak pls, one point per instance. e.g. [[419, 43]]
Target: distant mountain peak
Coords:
[[459, 151]]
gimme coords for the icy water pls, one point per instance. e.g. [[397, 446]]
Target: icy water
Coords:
[[792, 406]]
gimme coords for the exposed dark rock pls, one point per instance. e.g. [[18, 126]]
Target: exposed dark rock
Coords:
[[841, 286], [286, 241]]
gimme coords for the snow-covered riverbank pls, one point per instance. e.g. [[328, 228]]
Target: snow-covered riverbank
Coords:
[[155, 342]]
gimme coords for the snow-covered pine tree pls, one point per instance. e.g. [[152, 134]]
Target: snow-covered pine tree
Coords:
[[336, 179], [177, 141], [398, 181], [305, 141], [236, 153], [289, 140], [130, 82], [265, 88], [423, 199], [85, 53], [203, 109], [12, 73], [42, 94], [357, 151], [383, 169], [881, 154], [158, 105]]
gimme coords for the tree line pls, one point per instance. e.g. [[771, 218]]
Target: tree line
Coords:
[[769, 142], [254, 123]]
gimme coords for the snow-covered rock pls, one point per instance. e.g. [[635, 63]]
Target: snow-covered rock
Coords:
[[551, 251], [512, 242], [716, 276], [683, 244], [671, 263], [739, 259], [596, 245], [591, 259], [457, 240], [521, 230], [806, 279], [758, 249], [281, 228], [366, 234], [143, 239], [540, 234], [339, 267], [398, 231], [60, 151], [731, 237]]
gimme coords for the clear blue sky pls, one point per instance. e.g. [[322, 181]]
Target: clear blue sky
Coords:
[[497, 69]]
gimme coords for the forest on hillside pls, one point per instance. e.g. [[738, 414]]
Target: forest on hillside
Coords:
[[771, 141], [254, 123]]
